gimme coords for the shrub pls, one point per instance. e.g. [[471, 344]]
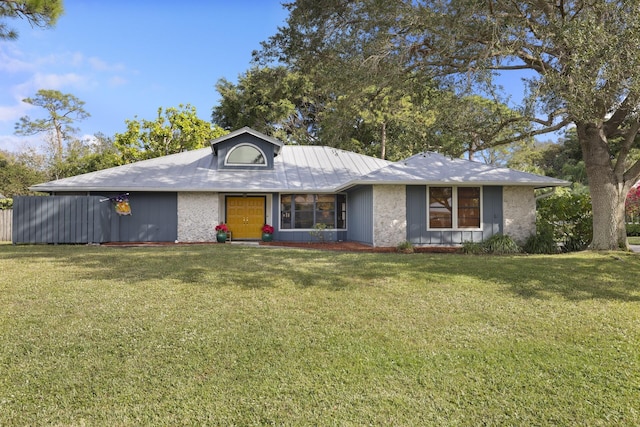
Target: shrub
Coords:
[[319, 232], [633, 229], [541, 243], [501, 244], [405, 247], [472, 248], [498, 244], [566, 213]]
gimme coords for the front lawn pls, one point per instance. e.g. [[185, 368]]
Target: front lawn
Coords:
[[634, 240], [223, 334]]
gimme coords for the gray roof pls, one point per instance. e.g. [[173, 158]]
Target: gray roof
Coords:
[[431, 168], [296, 169]]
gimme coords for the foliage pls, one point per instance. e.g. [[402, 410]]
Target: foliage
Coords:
[[222, 228], [268, 229], [633, 229], [319, 232], [632, 204], [566, 214], [273, 101], [39, 13], [541, 243], [17, 174], [405, 247], [561, 159], [174, 130], [151, 336], [472, 248], [63, 110], [6, 203], [498, 244]]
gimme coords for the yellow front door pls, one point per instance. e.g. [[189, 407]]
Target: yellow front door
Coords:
[[245, 216]]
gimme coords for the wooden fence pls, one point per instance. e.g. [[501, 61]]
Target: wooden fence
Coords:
[[6, 220]]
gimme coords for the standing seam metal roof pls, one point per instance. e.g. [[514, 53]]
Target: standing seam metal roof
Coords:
[[296, 169]]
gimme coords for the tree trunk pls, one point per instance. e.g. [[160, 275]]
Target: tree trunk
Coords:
[[608, 191]]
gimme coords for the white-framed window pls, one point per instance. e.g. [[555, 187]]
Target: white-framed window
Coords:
[[245, 155], [304, 211], [452, 208]]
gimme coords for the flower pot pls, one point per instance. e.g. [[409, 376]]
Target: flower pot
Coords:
[[221, 237], [267, 237]]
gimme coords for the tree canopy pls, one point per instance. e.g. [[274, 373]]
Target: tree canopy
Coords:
[[39, 13], [63, 111], [174, 130]]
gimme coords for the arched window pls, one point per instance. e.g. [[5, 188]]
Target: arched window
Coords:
[[245, 155]]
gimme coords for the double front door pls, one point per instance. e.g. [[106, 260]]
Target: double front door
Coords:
[[245, 216]]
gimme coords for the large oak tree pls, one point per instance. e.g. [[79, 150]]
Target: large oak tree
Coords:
[[582, 56]]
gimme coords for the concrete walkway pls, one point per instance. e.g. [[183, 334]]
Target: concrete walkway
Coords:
[[635, 248]]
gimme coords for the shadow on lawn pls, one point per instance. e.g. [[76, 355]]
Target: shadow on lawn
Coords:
[[572, 276]]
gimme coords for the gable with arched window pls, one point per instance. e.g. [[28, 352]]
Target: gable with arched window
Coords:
[[245, 155]]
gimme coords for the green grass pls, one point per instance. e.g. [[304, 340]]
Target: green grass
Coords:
[[221, 335], [634, 240]]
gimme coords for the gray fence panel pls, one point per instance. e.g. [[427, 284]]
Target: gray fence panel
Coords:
[[61, 219]]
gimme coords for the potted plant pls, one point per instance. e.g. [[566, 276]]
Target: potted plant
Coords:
[[267, 233], [221, 232]]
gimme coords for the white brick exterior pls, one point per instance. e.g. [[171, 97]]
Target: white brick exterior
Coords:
[[198, 214], [389, 215], [519, 212]]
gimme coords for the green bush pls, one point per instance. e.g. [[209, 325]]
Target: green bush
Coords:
[[473, 248], [541, 243], [566, 214], [498, 244], [6, 204], [405, 247], [501, 244], [633, 229]]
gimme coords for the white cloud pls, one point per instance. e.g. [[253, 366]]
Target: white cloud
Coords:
[[117, 81], [100, 65], [17, 144], [59, 81], [11, 60], [11, 113]]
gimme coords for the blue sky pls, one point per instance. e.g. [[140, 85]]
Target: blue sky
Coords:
[[127, 58]]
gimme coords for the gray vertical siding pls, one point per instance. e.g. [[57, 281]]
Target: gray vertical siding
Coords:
[[360, 215], [492, 217], [154, 218], [91, 219], [60, 219], [418, 234]]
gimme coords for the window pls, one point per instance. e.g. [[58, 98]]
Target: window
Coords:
[[454, 207], [303, 211], [245, 155]]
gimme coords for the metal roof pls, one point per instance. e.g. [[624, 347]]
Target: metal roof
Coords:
[[296, 169], [430, 168]]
